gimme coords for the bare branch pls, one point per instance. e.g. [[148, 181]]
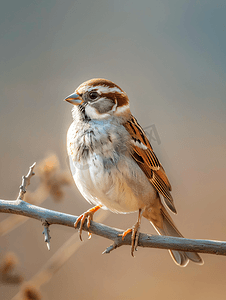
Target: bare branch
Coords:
[[25, 182], [57, 260], [53, 217], [49, 217], [52, 183]]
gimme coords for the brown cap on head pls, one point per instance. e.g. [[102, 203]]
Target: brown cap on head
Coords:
[[106, 88], [100, 81]]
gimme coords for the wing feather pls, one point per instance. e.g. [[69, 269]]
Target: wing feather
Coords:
[[143, 154]]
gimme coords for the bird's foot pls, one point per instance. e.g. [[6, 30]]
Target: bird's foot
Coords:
[[135, 230], [134, 237], [86, 215]]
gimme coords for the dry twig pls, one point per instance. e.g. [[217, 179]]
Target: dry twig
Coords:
[[52, 181], [25, 182], [56, 261], [20, 207]]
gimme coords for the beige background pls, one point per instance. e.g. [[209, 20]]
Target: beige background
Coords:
[[169, 56]]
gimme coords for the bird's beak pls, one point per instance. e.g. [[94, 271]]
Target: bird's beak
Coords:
[[74, 99]]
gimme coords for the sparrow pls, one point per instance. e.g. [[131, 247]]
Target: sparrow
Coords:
[[113, 163]]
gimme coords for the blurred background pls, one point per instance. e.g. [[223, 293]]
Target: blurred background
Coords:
[[169, 56]]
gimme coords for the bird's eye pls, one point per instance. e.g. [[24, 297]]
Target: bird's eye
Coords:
[[93, 95]]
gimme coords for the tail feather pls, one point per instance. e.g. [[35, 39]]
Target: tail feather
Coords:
[[166, 227], [179, 258]]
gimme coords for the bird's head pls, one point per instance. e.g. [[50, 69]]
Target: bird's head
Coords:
[[100, 99]]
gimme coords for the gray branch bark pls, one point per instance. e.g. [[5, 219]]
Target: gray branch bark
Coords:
[[50, 217]]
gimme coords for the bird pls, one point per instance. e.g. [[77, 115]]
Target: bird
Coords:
[[114, 165]]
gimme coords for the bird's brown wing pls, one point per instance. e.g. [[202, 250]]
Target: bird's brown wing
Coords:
[[145, 157]]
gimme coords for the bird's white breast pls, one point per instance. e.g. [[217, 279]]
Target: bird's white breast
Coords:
[[103, 169]]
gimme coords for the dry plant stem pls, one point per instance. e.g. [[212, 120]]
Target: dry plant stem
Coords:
[[14, 221], [58, 259], [25, 182], [50, 217], [53, 217], [48, 171], [46, 232]]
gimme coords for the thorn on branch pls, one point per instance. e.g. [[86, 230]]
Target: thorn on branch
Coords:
[[26, 181], [112, 247], [46, 232]]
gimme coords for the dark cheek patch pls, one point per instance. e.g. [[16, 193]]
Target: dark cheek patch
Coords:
[[121, 98], [103, 105]]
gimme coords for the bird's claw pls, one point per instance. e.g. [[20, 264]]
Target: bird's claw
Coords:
[[87, 215], [134, 236]]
